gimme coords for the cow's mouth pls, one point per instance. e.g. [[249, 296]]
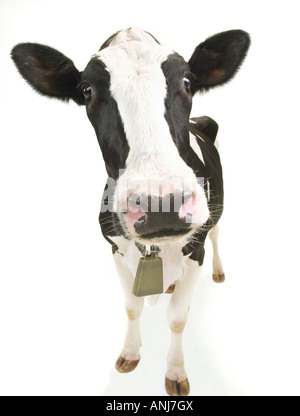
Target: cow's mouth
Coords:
[[164, 234], [161, 226]]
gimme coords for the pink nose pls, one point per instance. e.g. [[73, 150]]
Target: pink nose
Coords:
[[151, 214]]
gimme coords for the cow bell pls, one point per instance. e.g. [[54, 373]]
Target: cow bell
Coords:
[[149, 276]]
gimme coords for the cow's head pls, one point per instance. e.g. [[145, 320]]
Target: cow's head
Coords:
[[138, 97]]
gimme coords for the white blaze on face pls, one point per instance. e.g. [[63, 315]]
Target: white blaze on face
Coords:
[[138, 85]]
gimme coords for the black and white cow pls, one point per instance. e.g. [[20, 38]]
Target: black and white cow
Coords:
[[165, 189]]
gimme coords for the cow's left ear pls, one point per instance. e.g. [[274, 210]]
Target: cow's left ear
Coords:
[[48, 71], [217, 60]]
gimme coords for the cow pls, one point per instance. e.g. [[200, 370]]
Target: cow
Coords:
[[164, 192]]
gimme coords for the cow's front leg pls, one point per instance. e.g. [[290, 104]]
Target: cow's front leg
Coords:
[[130, 355], [177, 383]]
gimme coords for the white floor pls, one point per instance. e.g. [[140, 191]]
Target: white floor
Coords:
[[242, 338]]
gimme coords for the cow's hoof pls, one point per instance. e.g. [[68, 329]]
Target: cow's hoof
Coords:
[[177, 389], [126, 366], [219, 278], [170, 289]]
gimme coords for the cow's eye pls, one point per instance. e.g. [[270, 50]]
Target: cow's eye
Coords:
[[187, 84], [87, 91]]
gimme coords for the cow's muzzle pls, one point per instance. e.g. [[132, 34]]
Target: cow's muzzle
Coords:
[[155, 217]]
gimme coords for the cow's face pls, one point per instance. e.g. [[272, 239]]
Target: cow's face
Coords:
[[138, 97]]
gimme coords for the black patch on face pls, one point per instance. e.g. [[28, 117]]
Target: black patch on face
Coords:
[[178, 102], [103, 113]]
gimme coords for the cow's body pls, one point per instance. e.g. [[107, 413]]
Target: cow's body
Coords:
[[138, 96]]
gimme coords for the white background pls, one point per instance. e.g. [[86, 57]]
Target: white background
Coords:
[[62, 319]]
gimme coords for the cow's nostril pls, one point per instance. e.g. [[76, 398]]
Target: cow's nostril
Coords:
[[186, 195]]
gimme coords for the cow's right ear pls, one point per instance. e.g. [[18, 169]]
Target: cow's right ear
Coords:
[[48, 71]]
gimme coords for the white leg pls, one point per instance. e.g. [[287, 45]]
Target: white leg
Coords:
[[218, 273], [176, 379], [130, 356]]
